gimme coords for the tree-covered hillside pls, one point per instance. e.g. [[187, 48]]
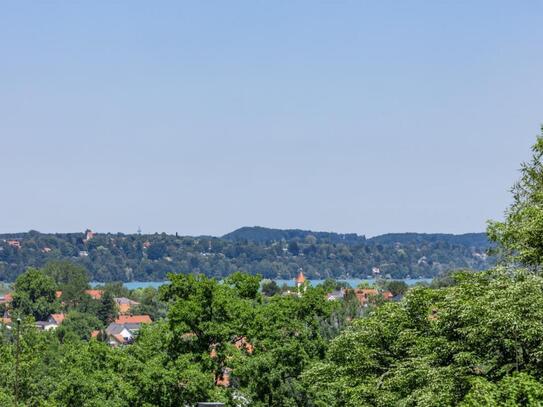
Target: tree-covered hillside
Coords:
[[270, 252], [262, 235]]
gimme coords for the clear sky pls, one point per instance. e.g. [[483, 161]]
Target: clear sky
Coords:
[[201, 117]]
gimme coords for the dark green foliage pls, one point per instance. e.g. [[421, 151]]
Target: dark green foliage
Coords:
[[394, 286], [520, 235], [149, 303], [116, 288], [433, 348], [156, 251], [69, 278], [34, 295], [107, 310], [263, 235], [270, 288], [119, 257], [78, 325], [247, 286]]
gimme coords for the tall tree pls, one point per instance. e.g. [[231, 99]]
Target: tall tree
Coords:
[[520, 235], [35, 294], [107, 311], [206, 317], [71, 279]]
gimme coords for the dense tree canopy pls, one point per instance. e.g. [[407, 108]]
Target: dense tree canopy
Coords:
[[438, 347], [120, 257], [34, 294], [520, 235]]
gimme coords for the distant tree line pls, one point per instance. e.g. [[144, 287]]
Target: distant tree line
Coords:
[[134, 257]]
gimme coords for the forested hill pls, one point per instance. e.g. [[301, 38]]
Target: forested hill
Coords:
[[259, 234], [272, 253]]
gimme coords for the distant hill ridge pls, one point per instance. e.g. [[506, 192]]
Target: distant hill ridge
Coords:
[[262, 235], [272, 253]]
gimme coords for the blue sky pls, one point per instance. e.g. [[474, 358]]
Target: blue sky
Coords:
[[201, 117]]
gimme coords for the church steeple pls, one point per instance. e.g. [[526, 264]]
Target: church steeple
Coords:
[[300, 279]]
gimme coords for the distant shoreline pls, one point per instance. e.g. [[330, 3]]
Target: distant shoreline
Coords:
[[353, 282]]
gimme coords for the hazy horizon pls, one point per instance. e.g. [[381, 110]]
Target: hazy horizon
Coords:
[[233, 230], [202, 118]]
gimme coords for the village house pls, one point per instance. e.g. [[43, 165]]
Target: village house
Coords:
[[367, 295], [336, 295], [14, 243], [53, 322], [387, 295], [89, 234], [118, 334], [6, 298], [56, 319], [133, 319], [124, 329], [125, 304], [95, 294]]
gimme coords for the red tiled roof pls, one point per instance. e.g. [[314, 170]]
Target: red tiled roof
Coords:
[[94, 334], [96, 294], [58, 294], [119, 338], [133, 319], [8, 297], [363, 294], [388, 295], [58, 318]]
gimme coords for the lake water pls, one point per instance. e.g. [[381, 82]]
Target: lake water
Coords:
[[353, 282]]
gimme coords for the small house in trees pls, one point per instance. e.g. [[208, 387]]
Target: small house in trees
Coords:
[[133, 319], [336, 295], [53, 322], [6, 298], [387, 295], [89, 234], [14, 243], [95, 294], [133, 322], [125, 304], [367, 295], [56, 319], [118, 334], [125, 328]]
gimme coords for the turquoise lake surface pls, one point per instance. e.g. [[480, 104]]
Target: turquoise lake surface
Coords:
[[353, 282]]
